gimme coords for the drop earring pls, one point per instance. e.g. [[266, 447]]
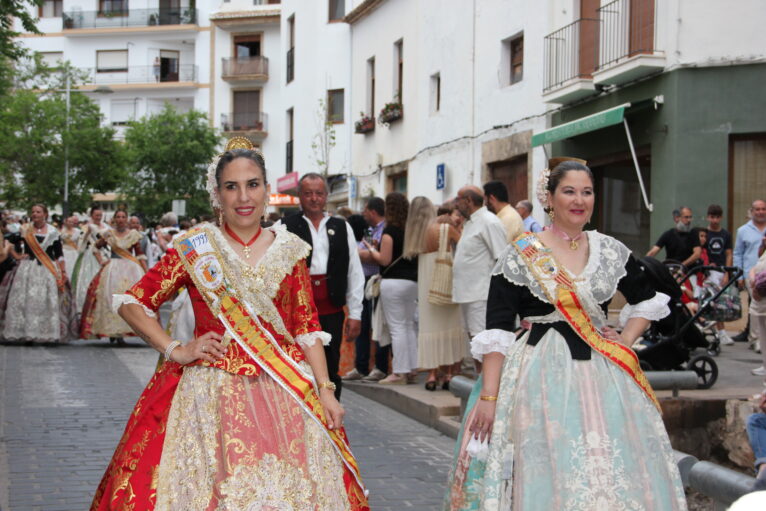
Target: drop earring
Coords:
[[551, 215], [220, 218]]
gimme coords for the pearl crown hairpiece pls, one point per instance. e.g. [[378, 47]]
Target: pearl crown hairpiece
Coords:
[[211, 185]]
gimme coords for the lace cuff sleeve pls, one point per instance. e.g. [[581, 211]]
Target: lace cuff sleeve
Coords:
[[118, 300], [491, 341], [652, 309], [308, 340]]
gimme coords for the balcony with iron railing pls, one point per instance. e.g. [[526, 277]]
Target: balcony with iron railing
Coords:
[[254, 69], [179, 75], [628, 46], [119, 17], [250, 124], [570, 55]]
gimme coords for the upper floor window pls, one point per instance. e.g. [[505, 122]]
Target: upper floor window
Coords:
[[113, 7], [337, 10], [371, 85], [512, 63], [291, 48], [112, 61], [52, 58], [517, 59], [436, 92], [335, 106], [51, 8], [398, 68]]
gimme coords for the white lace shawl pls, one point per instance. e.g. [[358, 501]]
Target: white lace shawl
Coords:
[[595, 285]]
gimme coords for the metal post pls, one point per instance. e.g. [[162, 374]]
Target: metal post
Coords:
[[649, 205], [65, 206]]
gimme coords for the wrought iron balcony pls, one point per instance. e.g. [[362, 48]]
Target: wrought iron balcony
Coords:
[[252, 123], [245, 68], [140, 74], [627, 30], [122, 17], [570, 53]]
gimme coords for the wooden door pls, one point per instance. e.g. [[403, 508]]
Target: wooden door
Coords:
[[512, 173], [641, 27], [588, 37]]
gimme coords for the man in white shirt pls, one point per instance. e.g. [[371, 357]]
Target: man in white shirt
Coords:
[[336, 271], [482, 241]]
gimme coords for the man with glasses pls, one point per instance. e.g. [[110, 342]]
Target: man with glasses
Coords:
[[679, 242]]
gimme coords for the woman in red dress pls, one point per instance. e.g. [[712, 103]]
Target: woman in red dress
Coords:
[[243, 417]]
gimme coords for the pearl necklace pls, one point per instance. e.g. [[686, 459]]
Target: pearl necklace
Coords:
[[572, 241]]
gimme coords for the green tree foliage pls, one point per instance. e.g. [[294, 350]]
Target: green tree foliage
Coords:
[[18, 9], [167, 157], [34, 137]]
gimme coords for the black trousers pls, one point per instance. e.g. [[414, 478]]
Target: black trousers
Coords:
[[382, 353], [333, 325]]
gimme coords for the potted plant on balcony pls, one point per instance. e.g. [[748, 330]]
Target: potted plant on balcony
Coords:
[[68, 21], [392, 111], [153, 19], [365, 124]]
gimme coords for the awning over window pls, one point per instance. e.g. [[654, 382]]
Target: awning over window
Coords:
[[592, 122]]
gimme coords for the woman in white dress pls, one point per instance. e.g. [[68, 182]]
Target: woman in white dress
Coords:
[[91, 259], [70, 240], [441, 336], [125, 267], [571, 420], [38, 301]]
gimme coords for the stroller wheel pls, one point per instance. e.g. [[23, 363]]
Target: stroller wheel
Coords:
[[706, 369]]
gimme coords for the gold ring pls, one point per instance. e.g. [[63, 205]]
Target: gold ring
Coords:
[[204, 349]]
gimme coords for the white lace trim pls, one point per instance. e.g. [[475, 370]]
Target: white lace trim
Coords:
[[604, 269], [491, 341], [119, 300], [652, 309], [309, 339]]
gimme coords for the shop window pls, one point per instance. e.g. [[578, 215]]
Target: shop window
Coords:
[[335, 106]]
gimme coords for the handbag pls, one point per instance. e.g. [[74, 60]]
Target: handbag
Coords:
[[440, 290], [372, 288]]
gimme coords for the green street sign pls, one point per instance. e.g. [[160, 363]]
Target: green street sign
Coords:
[[591, 122]]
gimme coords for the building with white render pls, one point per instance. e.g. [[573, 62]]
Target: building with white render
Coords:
[[664, 98]]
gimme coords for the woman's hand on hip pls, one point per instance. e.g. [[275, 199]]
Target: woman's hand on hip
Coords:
[[483, 419], [333, 411], [207, 347]]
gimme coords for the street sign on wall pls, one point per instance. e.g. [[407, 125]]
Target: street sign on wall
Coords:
[[179, 207], [441, 179], [353, 187]]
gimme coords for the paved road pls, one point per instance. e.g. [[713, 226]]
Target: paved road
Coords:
[[63, 409]]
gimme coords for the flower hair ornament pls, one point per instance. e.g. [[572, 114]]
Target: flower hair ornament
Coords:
[[211, 185], [542, 182]]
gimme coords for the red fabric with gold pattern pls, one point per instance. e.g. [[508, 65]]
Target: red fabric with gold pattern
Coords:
[[129, 481], [294, 302]]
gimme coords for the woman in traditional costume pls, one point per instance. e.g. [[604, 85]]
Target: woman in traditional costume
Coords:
[[91, 259], [70, 242], [242, 417], [125, 267], [38, 303], [571, 420]]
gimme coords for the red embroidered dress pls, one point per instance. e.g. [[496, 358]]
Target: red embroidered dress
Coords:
[[226, 435]]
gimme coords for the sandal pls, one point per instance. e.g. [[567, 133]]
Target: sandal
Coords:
[[431, 385], [445, 383]]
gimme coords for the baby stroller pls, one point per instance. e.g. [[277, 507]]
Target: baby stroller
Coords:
[[671, 341]]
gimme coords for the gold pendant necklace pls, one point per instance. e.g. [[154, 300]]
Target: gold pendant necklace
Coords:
[[246, 252], [573, 245]]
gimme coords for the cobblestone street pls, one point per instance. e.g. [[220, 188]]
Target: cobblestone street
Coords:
[[63, 409]]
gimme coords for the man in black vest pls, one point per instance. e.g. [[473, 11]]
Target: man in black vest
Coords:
[[336, 271]]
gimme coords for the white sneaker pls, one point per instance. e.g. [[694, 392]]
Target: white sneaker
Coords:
[[375, 375], [724, 338], [759, 371], [352, 375]]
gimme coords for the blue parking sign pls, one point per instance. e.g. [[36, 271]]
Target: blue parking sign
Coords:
[[440, 178]]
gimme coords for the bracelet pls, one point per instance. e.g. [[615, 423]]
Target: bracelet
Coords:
[[488, 398], [173, 345], [328, 385]]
